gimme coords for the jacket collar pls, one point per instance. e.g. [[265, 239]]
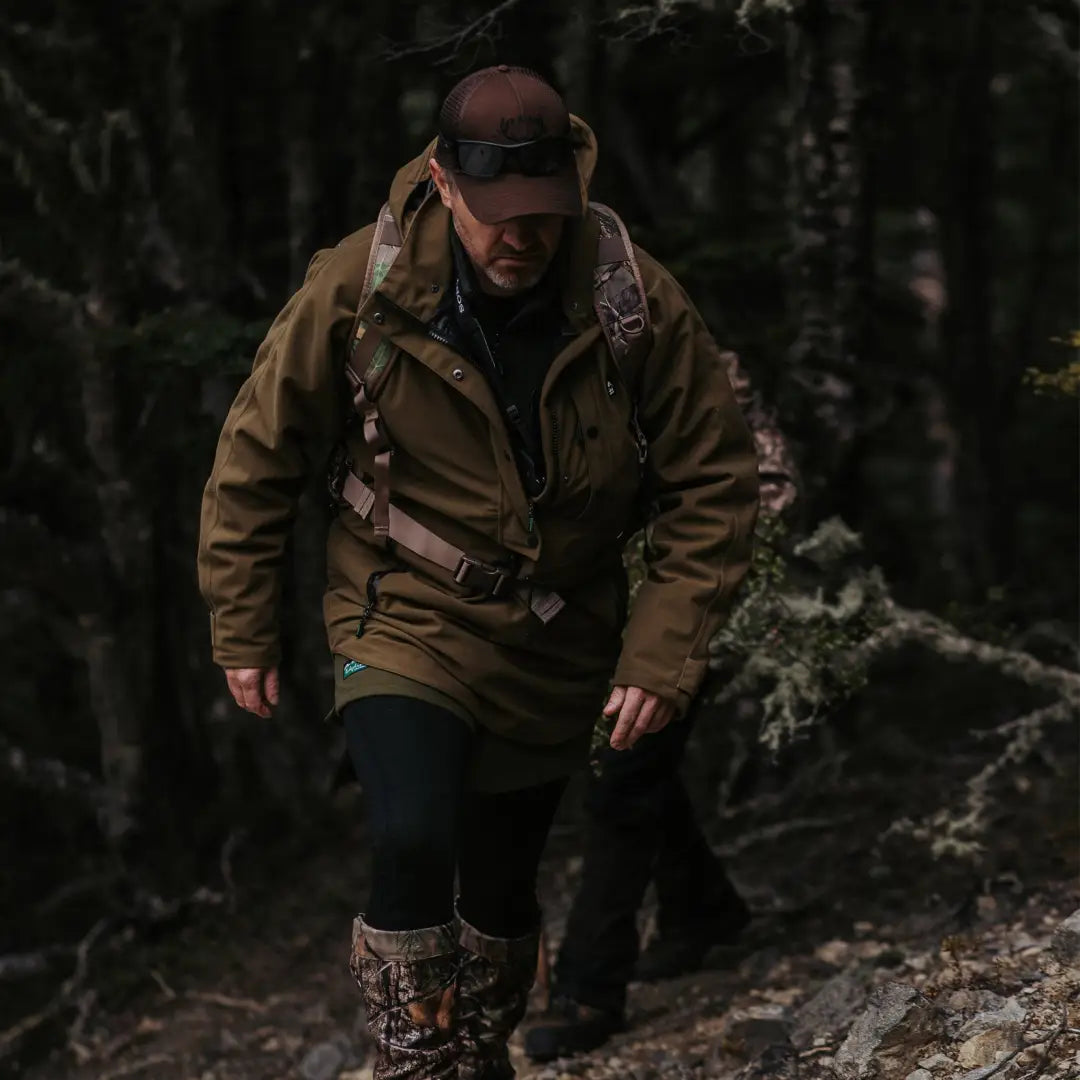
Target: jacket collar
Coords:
[[423, 270]]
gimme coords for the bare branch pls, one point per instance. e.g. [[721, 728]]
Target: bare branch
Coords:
[[45, 39], [945, 640], [768, 833], [227, 1002], [1055, 37], [956, 830], [749, 9], [19, 284], [141, 1065], [1061, 1029], [23, 965], [484, 28], [51, 775], [640, 22], [52, 129], [11, 1038]]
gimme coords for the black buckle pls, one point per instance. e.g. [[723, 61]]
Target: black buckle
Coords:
[[337, 469], [474, 574]]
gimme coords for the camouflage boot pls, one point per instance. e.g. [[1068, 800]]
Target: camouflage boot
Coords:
[[495, 976], [408, 979]]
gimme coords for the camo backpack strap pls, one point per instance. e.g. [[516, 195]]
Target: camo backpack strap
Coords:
[[621, 305], [384, 250], [364, 363], [369, 354]]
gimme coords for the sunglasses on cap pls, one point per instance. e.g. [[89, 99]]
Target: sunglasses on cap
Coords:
[[486, 160]]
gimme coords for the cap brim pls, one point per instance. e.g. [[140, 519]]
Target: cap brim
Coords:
[[512, 195]]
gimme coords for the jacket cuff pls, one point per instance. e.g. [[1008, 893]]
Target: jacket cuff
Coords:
[[228, 652], [634, 671]]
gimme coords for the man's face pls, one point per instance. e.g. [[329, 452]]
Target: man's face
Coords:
[[510, 256]]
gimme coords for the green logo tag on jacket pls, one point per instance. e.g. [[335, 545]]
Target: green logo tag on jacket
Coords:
[[352, 667]]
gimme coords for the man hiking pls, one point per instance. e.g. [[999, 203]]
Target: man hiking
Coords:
[[510, 386]]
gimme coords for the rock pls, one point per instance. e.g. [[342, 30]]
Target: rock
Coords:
[[961, 1004], [760, 1035], [778, 1061], [920, 1074], [983, 1072], [1034, 1054], [982, 1049], [835, 953], [973, 1000], [831, 1009], [327, 1060], [317, 1013], [1010, 1015], [889, 1035], [749, 1032], [937, 1061], [1065, 944]]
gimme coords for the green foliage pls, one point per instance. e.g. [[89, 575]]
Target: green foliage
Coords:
[[793, 639], [1065, 381], [205, 338]]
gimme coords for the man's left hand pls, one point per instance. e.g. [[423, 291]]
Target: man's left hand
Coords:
[[639, 712]]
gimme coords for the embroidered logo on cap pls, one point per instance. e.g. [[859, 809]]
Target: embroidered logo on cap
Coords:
[[352, 667]]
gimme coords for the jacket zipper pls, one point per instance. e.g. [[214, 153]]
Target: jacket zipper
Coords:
[[554, 474]]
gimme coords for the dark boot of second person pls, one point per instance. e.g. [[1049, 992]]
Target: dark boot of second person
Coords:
[[408, 979], [494, 979], [570, 1027], [685, 937]]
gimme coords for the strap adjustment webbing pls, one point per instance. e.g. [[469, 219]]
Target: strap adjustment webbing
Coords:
[[485, 578]]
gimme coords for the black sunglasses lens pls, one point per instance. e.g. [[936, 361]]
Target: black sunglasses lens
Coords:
[[481, 160], [545, 157]]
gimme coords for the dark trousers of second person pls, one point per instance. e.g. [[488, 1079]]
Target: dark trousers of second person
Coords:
[[411, 758], [640, 826]]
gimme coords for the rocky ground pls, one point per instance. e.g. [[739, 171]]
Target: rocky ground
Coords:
[[941, 992], [869, 959], [899, 1000]]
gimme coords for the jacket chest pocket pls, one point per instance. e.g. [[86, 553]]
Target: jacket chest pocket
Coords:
[[602, 472]]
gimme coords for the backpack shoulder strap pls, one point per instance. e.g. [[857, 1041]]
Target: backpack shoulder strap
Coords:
[[368, 355], [385, 246], [362, 365], [619, 297]]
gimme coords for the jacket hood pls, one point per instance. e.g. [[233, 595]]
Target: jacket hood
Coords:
[[403, 198]]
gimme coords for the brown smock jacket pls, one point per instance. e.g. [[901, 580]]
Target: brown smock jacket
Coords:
[[524, 682]]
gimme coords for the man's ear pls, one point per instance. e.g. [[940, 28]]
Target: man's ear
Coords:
[[442, 182]]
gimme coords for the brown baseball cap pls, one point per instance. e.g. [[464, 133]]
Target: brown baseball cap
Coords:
[[515, 108]]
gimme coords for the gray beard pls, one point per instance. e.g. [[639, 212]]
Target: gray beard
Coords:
[[504, 283]]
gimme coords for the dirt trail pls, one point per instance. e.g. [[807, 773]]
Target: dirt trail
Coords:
[[257, 988]]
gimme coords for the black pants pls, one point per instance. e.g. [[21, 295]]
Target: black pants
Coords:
[[640, 825], [411, 758]]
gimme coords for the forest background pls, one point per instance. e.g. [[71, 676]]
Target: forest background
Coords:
[[874, 204]]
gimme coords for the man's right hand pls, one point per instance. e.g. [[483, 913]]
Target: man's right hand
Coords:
[[253, 688]]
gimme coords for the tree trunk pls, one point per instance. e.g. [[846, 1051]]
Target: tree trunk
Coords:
[[117, 629], [826, 50], [970, 368]]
